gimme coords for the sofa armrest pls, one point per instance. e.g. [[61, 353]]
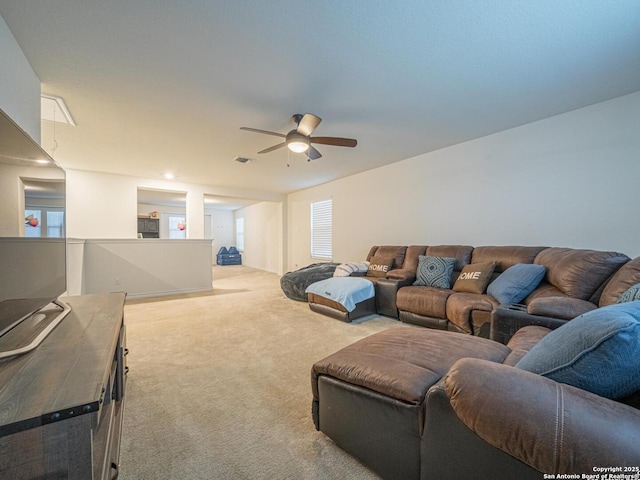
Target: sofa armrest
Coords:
[[508, 319], [386, 290], [553, 427], [402, 274], [450, 450]]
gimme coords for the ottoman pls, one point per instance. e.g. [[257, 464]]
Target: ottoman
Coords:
[[343, 298], [369, 397]]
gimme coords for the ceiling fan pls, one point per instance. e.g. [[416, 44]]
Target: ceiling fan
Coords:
[[299, 139]]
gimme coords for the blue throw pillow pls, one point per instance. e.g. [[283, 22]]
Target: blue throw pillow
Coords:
[[434, 271], [631, 294], [599, 351], [516, 282]]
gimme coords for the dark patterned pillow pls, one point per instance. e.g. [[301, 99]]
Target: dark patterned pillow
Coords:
[[631, 294], [474, 277], [434, 271], [379, 266]]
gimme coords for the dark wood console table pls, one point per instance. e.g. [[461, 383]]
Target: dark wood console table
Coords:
[[61, 405]]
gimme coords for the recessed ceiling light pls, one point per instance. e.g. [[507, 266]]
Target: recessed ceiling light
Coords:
[[42, 161], [55, 110], [169, 176]]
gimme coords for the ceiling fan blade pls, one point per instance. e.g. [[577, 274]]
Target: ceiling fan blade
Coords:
[[257, 130], [271, 149], [313, 154], [336, 141], [308, 123]]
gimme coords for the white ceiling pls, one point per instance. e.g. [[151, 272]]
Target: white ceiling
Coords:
[[161, 85]]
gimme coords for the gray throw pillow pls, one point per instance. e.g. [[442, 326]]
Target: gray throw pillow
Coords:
[[599, 351], [516, 282], [434, 271], [630, 295]]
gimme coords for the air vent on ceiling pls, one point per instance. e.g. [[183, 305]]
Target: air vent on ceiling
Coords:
[[243, 160]]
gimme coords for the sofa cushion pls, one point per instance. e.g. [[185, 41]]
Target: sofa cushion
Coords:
[[579, 273], [631, 294], [598, 352], [628, 275], [426, 301], [474, 277], [434, 271], [523, 341], [403, 363], [462, 253], [379, 266], [505, 256], [516, 282], [412, 257]]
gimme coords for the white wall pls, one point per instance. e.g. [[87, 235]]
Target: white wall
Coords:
[[263, 236], [102, 205], [19, 85], [146, 267], [569, 180], [222, 232], [105, 206]]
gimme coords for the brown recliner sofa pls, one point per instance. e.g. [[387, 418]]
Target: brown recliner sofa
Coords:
[[551, 306], [401, 273], [423, 403], [573, 285], [445, 309], [415, 403]]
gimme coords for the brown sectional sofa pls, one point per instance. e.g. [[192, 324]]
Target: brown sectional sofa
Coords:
[[574, 284], [419, 403]]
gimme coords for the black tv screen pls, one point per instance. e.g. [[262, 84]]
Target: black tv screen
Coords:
[[32, 226]]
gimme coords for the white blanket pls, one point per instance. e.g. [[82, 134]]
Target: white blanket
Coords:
[[347, 291]]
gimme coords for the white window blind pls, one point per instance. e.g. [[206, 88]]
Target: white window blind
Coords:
[[322, 229]]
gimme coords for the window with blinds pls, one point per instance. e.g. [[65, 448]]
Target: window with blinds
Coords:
[[322, 229]]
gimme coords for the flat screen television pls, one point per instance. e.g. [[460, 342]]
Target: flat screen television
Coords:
[[32, 241]]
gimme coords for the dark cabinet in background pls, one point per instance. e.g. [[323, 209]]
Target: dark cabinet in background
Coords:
[[149, 227]]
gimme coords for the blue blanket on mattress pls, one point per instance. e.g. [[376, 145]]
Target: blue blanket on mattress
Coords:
[[347, 291]]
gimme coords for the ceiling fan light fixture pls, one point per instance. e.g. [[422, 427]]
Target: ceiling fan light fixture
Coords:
[[298, 146], [297, 142]]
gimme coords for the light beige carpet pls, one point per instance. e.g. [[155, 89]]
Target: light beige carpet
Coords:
[[219, 384]]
